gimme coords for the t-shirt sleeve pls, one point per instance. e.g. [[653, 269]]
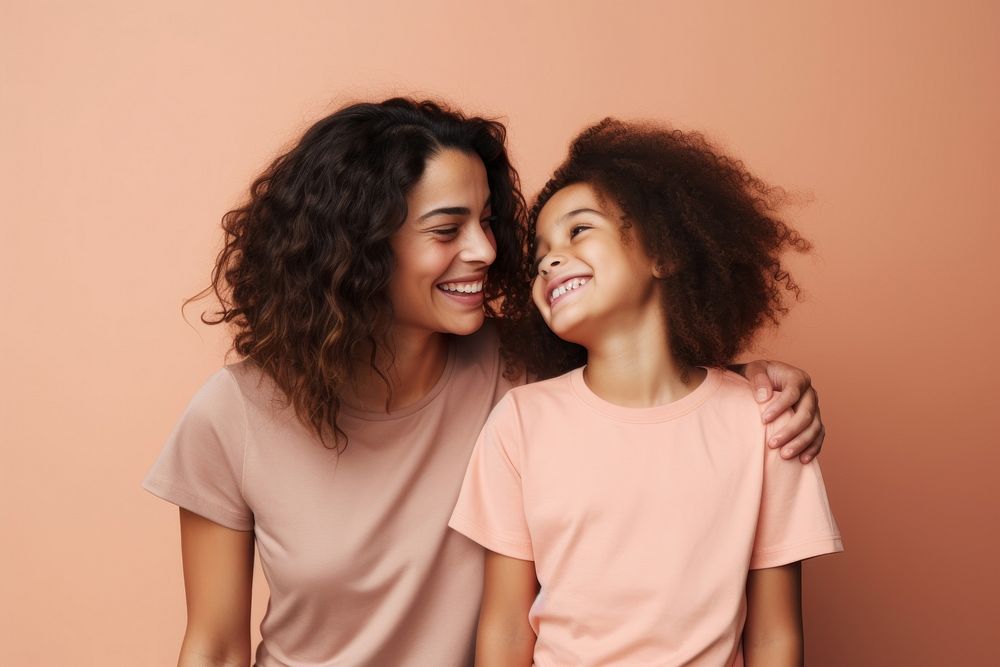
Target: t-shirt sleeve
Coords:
[[795, 520], [200, 467], [490, 508]]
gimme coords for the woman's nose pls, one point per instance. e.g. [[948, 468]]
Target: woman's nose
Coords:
[[479, 246]]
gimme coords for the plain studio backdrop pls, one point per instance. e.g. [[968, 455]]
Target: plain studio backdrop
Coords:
[[128, 129]]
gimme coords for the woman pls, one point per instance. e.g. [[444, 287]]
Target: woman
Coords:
[[357, 278]]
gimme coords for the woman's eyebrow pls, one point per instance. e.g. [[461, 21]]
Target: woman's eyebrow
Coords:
[[446, 210], [450, 210]]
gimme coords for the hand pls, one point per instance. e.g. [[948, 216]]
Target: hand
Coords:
[[803, 435]]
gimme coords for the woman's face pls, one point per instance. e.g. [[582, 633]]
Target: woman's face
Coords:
[[444, 247]]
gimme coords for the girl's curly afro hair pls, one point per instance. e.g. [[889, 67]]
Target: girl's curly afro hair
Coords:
[[696, 211]]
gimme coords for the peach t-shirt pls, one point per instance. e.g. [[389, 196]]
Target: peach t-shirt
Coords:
[[642, 522], [361, 565]]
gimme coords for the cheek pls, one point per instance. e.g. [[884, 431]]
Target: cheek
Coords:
[[422, 266]]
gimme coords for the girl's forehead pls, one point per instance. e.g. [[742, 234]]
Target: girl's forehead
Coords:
[[571, 200], [571, 195]]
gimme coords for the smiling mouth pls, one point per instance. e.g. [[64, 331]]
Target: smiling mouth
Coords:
[[460, 288], [466, 293], [567, 287]]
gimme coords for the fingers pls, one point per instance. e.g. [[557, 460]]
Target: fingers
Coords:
[[756, 372], [805, 442], [795, 395], [804, 415], [814, 449], [804, 433]]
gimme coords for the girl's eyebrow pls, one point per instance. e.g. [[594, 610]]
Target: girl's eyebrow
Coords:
[[566, 216], [569, 215]]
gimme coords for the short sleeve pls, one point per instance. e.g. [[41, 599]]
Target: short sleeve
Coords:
[[795, 520], [200, 467], [490, 508]]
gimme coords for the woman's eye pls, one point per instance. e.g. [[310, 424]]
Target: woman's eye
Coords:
[[445, 231], [486, 222]]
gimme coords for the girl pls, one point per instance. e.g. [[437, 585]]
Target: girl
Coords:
[[637, 492], [356, 279]]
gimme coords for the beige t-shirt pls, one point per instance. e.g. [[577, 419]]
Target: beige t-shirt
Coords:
[[361, 565], [642, 522]]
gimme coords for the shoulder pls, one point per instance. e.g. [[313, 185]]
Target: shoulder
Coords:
[[219, 394], [257, 391], [246, 375], [734, 382], [532, 397], [552, 386], [541, 397], [736, 393], [736, 389]]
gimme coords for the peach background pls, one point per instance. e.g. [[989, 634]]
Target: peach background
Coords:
[[129, 128]]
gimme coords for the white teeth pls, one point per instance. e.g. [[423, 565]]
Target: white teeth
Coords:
[[463, 288], [567, 287]]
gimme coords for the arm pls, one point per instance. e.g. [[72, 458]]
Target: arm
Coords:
[[218, 577], [504, 638], [772, 635], [803, 435]]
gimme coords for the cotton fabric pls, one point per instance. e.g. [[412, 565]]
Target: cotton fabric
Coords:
[[642, 522], [360, 563]]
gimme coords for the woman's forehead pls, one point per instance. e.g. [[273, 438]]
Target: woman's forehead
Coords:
[[452, 172]]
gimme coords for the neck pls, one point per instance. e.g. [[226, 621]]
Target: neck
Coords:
[[633, 366], [418, 361]]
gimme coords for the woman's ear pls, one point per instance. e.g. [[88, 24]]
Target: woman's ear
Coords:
[[664, 269]]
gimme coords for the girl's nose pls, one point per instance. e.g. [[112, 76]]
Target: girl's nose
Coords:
[[549, 264]]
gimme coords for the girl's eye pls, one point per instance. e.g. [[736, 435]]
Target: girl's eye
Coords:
[[576, 229], [445, 231], [486, 222]]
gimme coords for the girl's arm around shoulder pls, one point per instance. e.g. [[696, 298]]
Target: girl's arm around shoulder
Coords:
[[772, 635], [505, 638], [218, 578]]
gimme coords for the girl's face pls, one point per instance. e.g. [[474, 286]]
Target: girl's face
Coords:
[[592, 275], [444, 247]]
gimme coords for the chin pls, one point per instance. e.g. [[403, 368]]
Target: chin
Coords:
[[579, 328], [564, 330], [464, 326]]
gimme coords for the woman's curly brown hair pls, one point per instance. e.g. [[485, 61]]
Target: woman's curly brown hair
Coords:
[[303, 273], [697, 212]]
